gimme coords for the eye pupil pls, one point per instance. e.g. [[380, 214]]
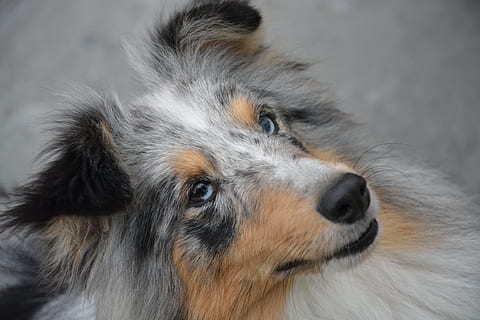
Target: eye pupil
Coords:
[[268, 125], [201, 192]]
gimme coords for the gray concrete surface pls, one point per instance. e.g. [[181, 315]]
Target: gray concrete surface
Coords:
[[410, 69]]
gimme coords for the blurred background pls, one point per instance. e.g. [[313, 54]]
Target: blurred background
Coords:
[[409, 69]]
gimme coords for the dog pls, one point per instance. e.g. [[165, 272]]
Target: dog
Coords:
[[233, 189]]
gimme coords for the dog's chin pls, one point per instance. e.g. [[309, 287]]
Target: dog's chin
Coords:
[[354, 252]]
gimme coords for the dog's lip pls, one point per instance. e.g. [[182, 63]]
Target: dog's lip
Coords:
[[291, 268], [361, 244], [365, 240], [291, 265]]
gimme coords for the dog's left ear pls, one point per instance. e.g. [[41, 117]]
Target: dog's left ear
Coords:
[[229, 24], [86, 176]]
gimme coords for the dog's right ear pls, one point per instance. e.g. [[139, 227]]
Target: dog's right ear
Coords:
[[210, 23], [85, 177]]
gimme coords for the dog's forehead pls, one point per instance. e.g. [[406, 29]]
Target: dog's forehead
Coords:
[[221, 125], [202, 114], [190, 111], [208, 119]]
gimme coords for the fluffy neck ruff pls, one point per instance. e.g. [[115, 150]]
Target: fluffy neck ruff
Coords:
[[426, 285]]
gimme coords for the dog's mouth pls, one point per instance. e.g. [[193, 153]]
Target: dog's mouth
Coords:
[[361, 244], [366, 239], [292, 267]]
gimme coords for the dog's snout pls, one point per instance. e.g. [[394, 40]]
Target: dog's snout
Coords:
[[346, 201]]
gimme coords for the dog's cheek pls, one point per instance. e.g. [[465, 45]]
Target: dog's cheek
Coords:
[[226, 291], [239, 282], [213, 237]]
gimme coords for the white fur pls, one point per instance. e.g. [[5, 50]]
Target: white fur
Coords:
[[179, 110], [400, 287], [67, 308]]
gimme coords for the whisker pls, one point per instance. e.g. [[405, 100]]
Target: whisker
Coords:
[[357, 160]]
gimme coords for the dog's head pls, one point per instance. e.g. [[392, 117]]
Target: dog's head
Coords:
[[211, 193]]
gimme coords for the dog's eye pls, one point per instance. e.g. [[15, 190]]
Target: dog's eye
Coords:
[[268, 124], [201, 192]]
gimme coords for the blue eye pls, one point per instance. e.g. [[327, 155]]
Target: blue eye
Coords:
[[268, 124], [201, 192]]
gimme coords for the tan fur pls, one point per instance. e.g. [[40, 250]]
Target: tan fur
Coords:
[[190, 163], [70, 237], [241, 284], [239, 42], [106, 132], [243, 111], [272, 305], [251, 43], [400, 230]]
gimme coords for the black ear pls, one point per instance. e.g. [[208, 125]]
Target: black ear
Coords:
[[85, 177], [227, 23]]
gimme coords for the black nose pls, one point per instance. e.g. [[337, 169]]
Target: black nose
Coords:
[[346, 201]]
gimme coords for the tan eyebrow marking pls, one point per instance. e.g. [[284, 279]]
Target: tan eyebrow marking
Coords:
[[191, 163], [243, 111]]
